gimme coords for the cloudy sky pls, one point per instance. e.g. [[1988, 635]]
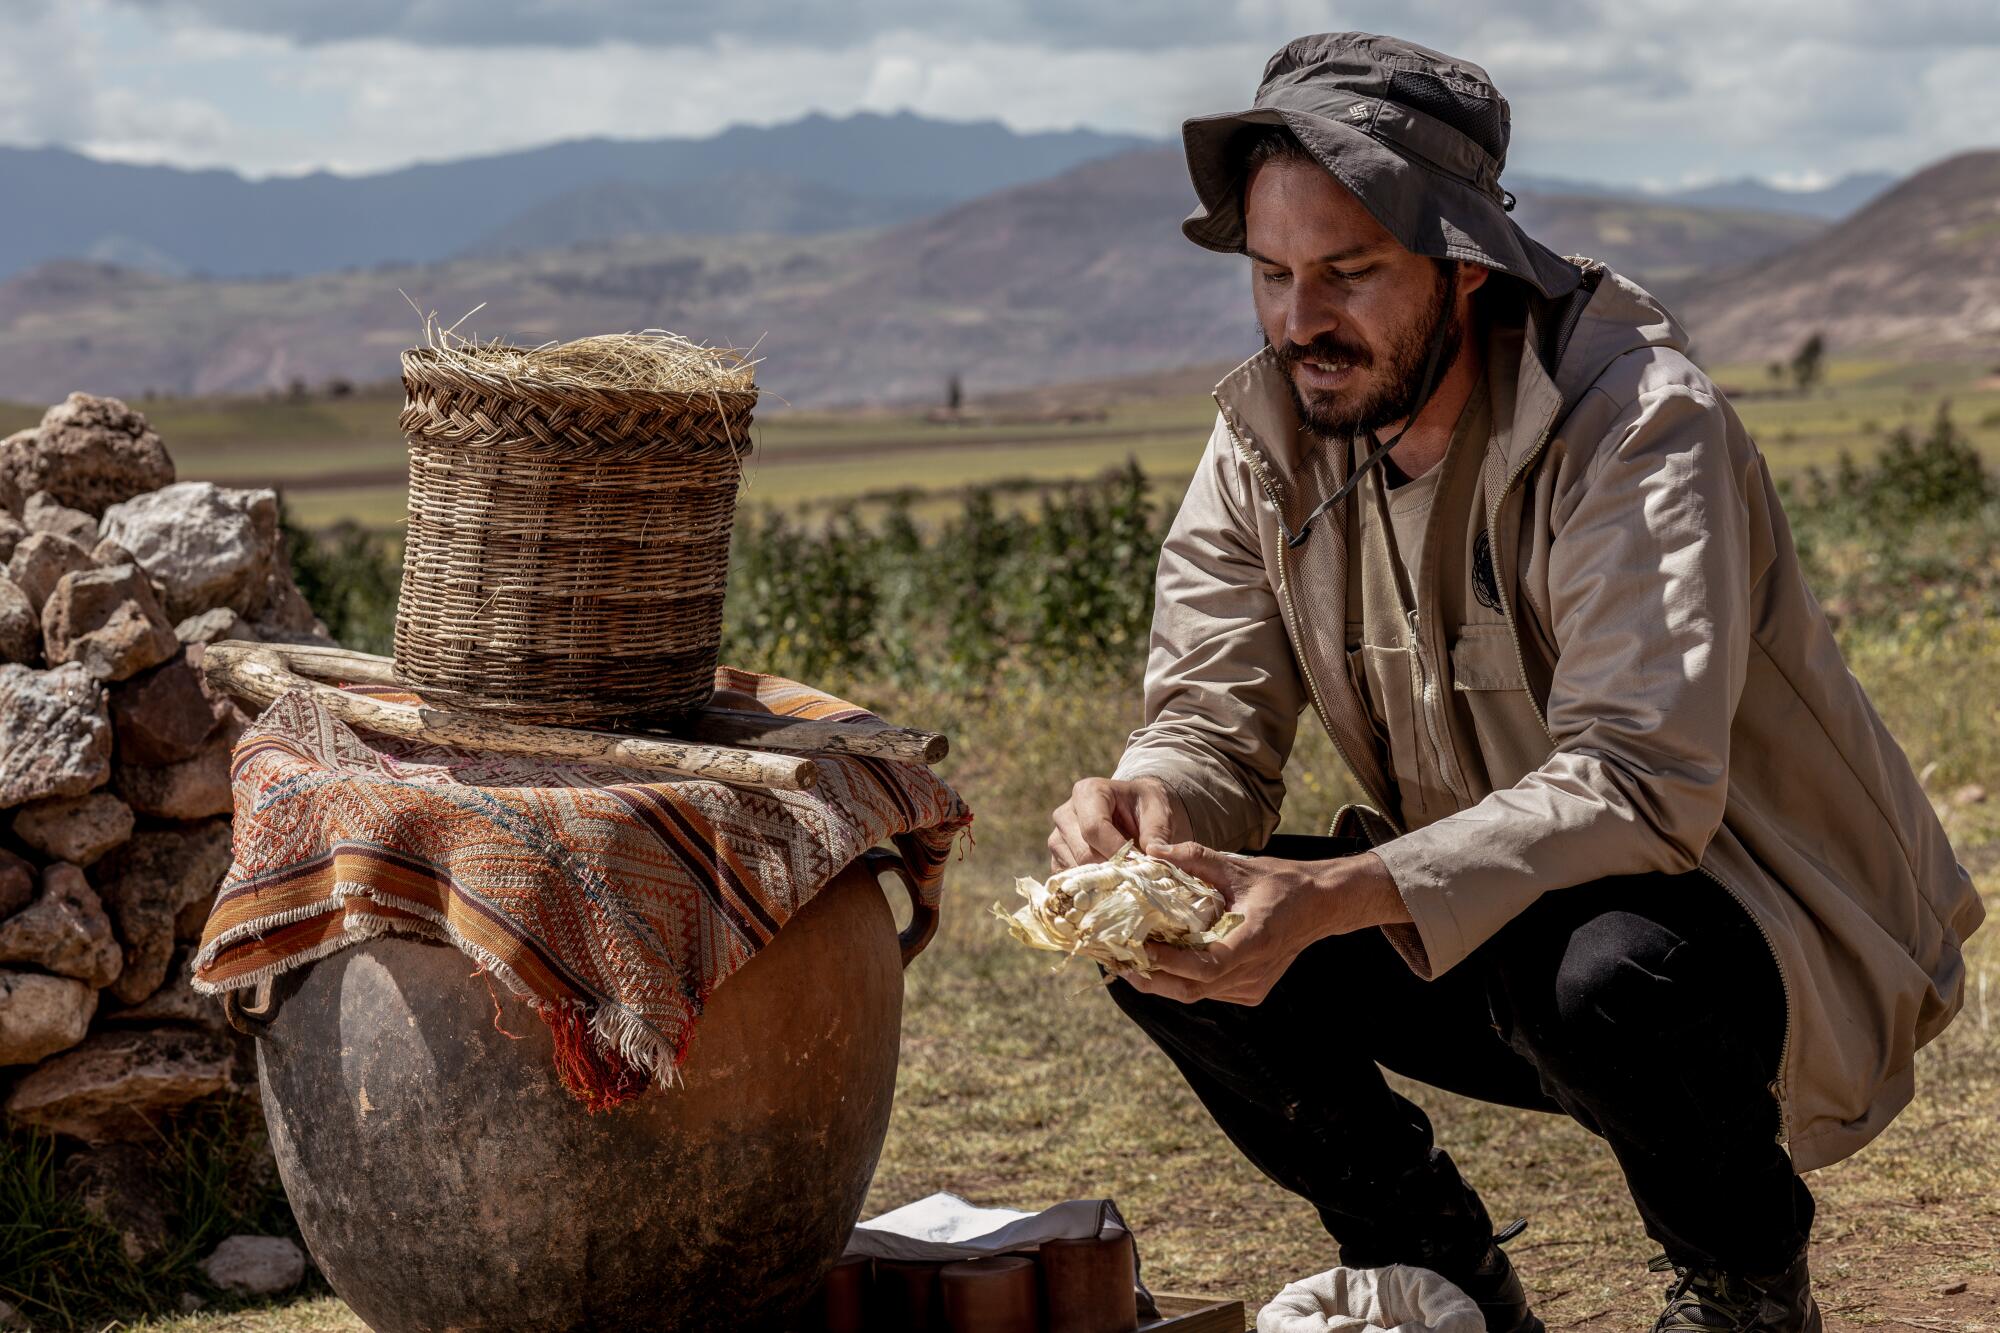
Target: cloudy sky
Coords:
[[1664, 92]]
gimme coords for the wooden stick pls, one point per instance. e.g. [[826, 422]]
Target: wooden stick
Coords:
[[255, 672], [713, 726], [724, 726]]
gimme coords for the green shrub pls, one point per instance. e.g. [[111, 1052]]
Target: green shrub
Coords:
[[350, 576]]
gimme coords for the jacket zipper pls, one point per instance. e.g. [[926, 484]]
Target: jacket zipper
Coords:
[[1447, 773], [1269, 487], [1777, 1085]]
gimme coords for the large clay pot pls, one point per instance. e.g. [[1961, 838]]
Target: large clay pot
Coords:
[[443, 1178]]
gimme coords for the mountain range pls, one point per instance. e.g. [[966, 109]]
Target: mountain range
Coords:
[[1829, 202], [63, 205], [880, 295], [1082, 275]]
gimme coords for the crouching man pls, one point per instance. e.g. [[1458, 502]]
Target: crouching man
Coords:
[[1637, 849]]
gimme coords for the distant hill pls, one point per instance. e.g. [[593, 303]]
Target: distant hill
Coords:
[[1666, 247], [1830, 202], [61, 204], [1918, 269], [739, 202], [1079, 277]]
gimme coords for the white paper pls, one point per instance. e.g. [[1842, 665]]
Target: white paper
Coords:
[[945, 1227]]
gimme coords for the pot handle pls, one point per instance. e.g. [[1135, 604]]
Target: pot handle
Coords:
[[251, 1022], [923, 918]]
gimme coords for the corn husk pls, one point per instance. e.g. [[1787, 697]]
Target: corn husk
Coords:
[[1108, 910]]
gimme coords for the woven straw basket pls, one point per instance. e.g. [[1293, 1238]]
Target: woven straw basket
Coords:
[[568, 544]]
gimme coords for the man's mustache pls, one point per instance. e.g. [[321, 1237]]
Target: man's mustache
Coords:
[[1326, 347]]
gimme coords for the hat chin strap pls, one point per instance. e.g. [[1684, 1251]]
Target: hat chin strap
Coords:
[[1426, 386]]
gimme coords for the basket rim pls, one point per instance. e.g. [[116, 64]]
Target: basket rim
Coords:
[[425, 366]]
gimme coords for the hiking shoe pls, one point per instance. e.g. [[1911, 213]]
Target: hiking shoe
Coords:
[[1494, 1285], [1437, 1221], [1705, 1299]]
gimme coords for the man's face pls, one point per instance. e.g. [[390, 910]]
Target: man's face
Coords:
[[1347, 309]]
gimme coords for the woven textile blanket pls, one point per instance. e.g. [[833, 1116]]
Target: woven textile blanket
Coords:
[[613, 900]]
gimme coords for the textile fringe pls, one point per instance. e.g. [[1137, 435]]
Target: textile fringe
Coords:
[[593, 1072]]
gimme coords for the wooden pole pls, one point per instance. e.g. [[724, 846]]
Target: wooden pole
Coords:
[[724, 726], [254, 671], [713, 726]]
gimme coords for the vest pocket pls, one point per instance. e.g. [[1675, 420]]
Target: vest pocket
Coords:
[[1486, 676]]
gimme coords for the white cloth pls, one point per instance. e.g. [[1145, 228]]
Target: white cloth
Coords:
[[1372, 1300]]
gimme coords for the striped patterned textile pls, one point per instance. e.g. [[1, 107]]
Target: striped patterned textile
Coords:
[[612, 900]]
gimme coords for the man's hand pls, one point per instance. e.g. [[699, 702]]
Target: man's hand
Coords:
[[1285, 905], [1103, 814]]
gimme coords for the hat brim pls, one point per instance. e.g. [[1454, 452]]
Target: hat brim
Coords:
[[1428, 212]]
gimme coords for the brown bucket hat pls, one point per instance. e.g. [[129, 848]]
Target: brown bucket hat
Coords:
[[1417, 136]]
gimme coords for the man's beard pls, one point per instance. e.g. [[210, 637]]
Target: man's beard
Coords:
[[1394, 394]]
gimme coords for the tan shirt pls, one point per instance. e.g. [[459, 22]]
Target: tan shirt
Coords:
[[1401, 664]]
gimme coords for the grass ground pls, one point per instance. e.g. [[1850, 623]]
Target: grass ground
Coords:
[[1020, 1088], [341, 457]]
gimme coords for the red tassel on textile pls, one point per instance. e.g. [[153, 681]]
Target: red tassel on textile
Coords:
[[599, 1078]]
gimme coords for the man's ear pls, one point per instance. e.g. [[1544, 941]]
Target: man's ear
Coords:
[[1471, 276]]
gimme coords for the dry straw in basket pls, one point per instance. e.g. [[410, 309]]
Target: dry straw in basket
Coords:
[[570, 514]]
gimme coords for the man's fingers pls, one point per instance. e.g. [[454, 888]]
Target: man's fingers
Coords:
[[1152, 814], [1204, 863], [1094, 806], [1209, 964], [1165, 984], [1074, 843]]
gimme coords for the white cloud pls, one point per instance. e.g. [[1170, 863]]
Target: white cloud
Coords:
[[1791, 90]]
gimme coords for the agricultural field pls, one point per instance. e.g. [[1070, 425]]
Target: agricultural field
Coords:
[[341, 458]]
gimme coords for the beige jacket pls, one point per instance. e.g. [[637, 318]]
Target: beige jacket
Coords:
[[1658, 691]]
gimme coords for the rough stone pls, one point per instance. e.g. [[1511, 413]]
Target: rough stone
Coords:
[[20, 626], [162, 715], [108, 552], [146, 885], [124, 1186], [39, 563], [175, 1002], [12, 531], [210, 547], [17, 884], [57, 730], [109, 620], [19, 444], [40, 1015], [213, 625], [191, 789], [77, 829], [64, 931], [255, 1265], [89, 453], [282, 614], [118, 1084], [44, 513]]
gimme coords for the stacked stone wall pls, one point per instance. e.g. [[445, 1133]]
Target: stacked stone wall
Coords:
[[114, 785]]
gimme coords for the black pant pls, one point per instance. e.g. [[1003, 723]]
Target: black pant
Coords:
[[1648, 1008]]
